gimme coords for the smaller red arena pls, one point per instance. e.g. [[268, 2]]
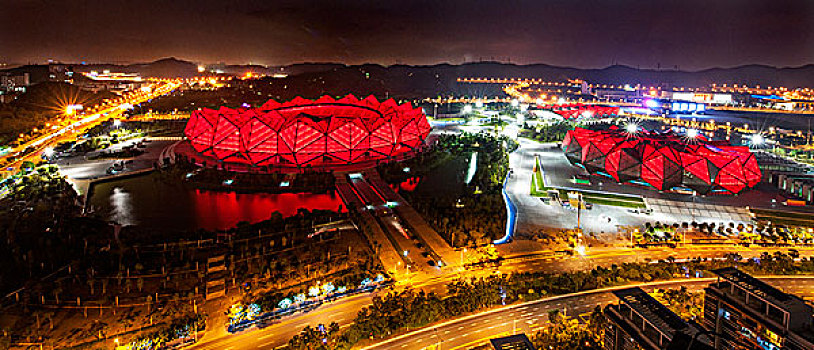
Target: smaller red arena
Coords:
[[303, 133], [663, 160]]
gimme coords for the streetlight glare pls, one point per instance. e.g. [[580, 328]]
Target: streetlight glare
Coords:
[[632, 128], [692, 133]]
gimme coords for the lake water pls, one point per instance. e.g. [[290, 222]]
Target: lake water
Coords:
[[151, 202]]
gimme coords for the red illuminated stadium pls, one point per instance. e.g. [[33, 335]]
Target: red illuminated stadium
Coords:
[[303, 132], [663, 160]]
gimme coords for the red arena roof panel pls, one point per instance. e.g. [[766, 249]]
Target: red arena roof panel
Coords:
[[663, 160], [303, 132]]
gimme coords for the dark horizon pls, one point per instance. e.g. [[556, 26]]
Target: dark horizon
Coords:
[[688, 35], [619, 64]]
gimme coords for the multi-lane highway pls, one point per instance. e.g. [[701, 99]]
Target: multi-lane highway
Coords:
[[527, 317], [465, 331], [476, 329]]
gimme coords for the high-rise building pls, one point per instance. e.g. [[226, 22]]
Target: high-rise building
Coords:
[[744, 312], [639, 321]]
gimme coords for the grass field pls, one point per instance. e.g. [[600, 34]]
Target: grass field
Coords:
[[539, 189]]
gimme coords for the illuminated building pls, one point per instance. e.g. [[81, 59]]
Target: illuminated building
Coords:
[[663, 161], [302, 132], [746, 313], [638, 321]]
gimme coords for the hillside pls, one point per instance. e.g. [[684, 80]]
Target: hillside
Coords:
[[618, 74]]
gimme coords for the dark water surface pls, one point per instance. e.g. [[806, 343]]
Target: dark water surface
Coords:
[[151, 202]]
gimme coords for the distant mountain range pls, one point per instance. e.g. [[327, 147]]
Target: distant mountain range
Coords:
[[751, 75]]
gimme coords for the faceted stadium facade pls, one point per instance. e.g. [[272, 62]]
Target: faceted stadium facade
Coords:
[[663, 160], [304, 132]]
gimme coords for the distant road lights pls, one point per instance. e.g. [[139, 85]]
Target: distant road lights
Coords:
[[117, 123], [48, 152], [467, 109], [539, 101], [692, 133], [478, 104], [515, 102]]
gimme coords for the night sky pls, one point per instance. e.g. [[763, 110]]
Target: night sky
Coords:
[[690, 34]]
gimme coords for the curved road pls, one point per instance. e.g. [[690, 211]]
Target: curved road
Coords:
[[467, 331], [527, 317]]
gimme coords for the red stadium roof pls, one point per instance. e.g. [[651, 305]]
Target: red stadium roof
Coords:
[[303, 132], [663, 160]]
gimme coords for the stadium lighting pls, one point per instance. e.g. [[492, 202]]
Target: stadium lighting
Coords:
[[757, 139], [692, 133]]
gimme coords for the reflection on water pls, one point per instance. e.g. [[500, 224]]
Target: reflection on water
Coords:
[[225, 209], [153, 203], [408, 185], [121, 210]]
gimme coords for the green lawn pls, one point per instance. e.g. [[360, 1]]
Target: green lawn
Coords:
[[615, 203], [539, 189]]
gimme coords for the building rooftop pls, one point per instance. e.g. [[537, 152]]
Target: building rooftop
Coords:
[[512, 342], [653, 311], [759, 288]]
